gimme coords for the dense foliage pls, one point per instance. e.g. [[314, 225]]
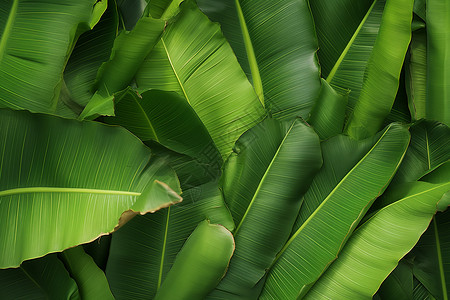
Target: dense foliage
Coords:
[[224, 149]]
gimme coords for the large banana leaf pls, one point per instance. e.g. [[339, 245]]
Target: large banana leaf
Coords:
[[348, 70], [91, 50], [429, 148], [381, 79], [416, 70], [263, 183], [328, 114], [399, 285], [432, 257], [43, 278], [200, 264], [336, 23], [375, 248], [91, 281], [167, 118], [143, 251], [313, 247], [276, 43], [35, 42], [438, 60], [65, 182], [195, 60]]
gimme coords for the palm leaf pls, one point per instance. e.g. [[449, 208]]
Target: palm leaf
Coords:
[[381, 79], [200, 264], [91, 281], [375, 248], [143, 251], [263, 183], [65, 182], [275, 42], [313, 247], [438, 61], [193, 59], [37, 38]]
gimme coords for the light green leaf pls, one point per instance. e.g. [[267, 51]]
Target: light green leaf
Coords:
[[143, 251], [195, 60], [321, 237], [200, 264], [65, 182], [36, 40], [43, 278], [328, 114], [375, 248], [382, 75], [438, 60], [275, 42], [263, 183], [90, 279]]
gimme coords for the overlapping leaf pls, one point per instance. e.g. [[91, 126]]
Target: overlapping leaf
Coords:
[[65, 182]]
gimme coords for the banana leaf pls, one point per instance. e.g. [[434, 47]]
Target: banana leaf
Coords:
[[91, 281], [438, 60], [144, 250], [200, 264], [420, 292], [328, 114], [43, 278], [336, 22], [432, 257], [416, 79], [91, 50], [194, 59], [65, 182], [275, 43], [130, 11], [263, 182], [316, 244], [381, 79], [375, 248], [168, 119], [429, 148], [399, 285], [420, 8], [36, 40], [348, 71]]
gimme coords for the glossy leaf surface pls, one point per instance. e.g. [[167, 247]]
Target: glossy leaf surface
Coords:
[[65, 182]]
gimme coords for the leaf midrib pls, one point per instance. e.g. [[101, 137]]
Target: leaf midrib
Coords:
[[8, 28], [251, 57], [294, 236], [440, 262], [263, 179], [29, 190], [350, 44]]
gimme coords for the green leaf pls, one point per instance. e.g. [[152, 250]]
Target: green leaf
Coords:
[[420, 292], [375, 248], [164, 9], [438, 61], [416, 70], [399, 284], [130, 12], [195, 60], [321, 237], [143, 251], [348, 71], [166, 118], [90, 279], [91, 50], [275, 42], [432, 257], [429, 148], [65, 182], [43, 278], [336, 22], [36, 40], [263, 183], [328, 114], [383, 71], [200, 264], [420, 8]]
